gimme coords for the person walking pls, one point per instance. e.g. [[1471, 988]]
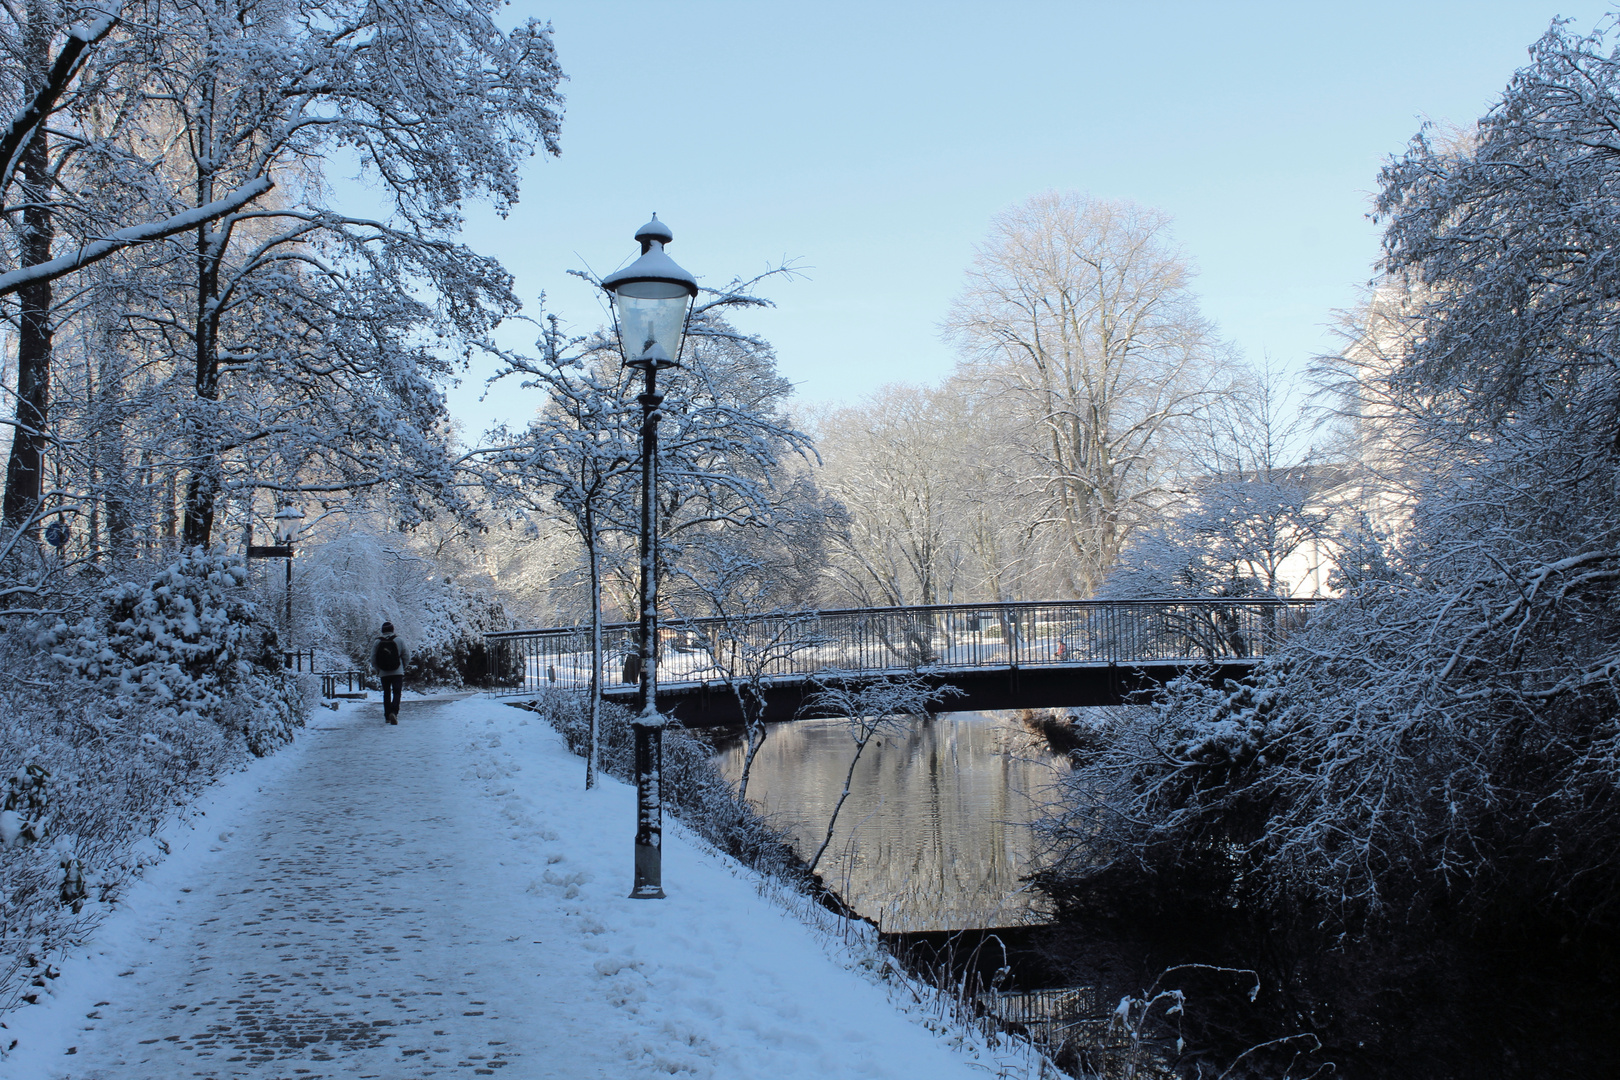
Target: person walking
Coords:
[[388, 657]]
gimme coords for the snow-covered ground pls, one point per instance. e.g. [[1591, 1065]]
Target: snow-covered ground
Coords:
[[444, 898]]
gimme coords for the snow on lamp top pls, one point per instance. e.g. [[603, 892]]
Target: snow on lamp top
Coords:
[[653, 230], [287, 519], [651, 297]]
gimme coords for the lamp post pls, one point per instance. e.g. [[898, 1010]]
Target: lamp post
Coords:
[[652, 298], [287, 519]]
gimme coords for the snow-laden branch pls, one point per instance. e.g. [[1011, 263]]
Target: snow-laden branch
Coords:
[[81, 39], [96, 250]]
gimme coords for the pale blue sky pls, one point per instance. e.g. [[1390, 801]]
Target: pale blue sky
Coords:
[[872, 142]]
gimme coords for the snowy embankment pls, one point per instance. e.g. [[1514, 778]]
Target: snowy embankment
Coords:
[[444, 894]]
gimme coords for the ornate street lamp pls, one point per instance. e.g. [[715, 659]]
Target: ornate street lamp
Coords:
[[287, 520], [652, 298]]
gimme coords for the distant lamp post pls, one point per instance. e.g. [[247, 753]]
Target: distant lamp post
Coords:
[[652, 298], [287, 522]]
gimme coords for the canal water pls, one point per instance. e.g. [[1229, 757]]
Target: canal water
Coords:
[[936, 832]]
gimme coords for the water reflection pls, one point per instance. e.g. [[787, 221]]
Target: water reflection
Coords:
[[935, 834]]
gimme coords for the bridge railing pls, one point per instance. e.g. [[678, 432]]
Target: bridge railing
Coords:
[[877, 640]]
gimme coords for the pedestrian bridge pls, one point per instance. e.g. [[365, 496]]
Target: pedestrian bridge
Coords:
[[1001, 656]]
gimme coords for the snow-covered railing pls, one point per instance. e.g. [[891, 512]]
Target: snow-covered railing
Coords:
[[940, 637]]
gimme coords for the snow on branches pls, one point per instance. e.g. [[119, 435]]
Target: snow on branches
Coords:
[[727, 497]]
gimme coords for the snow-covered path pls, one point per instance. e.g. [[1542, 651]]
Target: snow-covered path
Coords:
[[440, 899]]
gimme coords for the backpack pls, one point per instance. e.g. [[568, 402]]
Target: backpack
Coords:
[[387, 655]]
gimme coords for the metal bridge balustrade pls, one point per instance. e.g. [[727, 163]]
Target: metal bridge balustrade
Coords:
[[942, 639]]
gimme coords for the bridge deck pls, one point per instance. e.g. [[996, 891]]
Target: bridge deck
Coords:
[[1024, 655]]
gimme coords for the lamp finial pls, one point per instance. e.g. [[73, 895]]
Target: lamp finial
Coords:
[[654, 230]]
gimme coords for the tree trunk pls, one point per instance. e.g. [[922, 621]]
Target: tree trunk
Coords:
[[204, 484], [751, 699], [593, 751], [202, 490], [171, 517], [25, 469], [113, 465]]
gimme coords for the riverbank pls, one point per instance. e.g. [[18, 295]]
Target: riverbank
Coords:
[[443, 897]]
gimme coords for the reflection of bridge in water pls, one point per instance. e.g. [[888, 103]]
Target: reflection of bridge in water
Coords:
[[1002, 656]]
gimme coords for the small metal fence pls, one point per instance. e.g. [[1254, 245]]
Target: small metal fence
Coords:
[[1078, 1023], [874, 641], [351, 679], [1046, 1006]]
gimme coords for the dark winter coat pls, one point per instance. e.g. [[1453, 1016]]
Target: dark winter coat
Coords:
[[376, 656]]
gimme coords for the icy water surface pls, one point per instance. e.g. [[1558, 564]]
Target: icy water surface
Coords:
[[935, 834]]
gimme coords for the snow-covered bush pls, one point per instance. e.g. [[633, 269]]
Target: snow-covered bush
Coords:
[[90, 774], [1252, 518], [113, 720], [1231, 537], [346, 588], [189, 640]]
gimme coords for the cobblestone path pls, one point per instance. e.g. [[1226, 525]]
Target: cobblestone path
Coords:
[[341, 932]]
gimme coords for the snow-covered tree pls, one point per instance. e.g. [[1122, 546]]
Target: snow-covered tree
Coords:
[[72, 65], [889, 461], [940, 505], [723, 470], [576, 459], [315, 335], [1080, 312], [727, 443], [300, 343], [1254, 516], [351, 579], [745, 528], [87, 167], [284, 342]]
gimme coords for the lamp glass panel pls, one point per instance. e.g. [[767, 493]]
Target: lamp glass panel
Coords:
[[644, 318]]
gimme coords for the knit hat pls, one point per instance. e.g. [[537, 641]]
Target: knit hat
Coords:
[[388, 628]]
